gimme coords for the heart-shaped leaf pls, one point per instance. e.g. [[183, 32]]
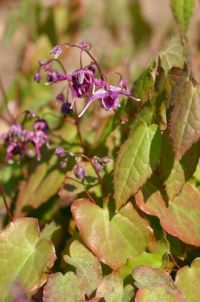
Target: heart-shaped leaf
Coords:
[[112, 290], [185, 118], [136, 161], [187, 280], [24, 257], [88, 268], [181, 218], [114, 239], [63, 288]]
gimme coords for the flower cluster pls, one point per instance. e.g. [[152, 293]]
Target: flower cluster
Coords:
[[79, 171], [86, 82], [19, 140]]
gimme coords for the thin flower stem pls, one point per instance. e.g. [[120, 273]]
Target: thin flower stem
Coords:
[[5, 202], [90, 196], [90, 55], [97, 173], [5, 100], [174, 260]]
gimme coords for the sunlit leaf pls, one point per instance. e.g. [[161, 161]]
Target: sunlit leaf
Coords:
[[114, 239], [187, 280], [88, 268], [24, 257], [182, 216], [137, 158], [173, 55], [183, 10], [111, 289], [63, 288], [185, 118], [157, 294], [153, 278]]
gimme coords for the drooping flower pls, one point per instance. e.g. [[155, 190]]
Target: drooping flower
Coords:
[[65, 108], [99, 163], [60, 151], [56, 51], [13, 149], [109, 98], [79, 172], [41, 124], [37, 77]]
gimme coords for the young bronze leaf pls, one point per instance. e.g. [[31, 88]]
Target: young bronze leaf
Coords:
[[153, 278], [185, 117], [181, 218], [183, 10], [88, 268], [173, 55], [63, 288], [111, 289], [136, 161], [187, 280], [24, 257], [114, 239]]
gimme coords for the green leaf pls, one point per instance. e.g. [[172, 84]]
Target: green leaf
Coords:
[[111, 289], [137, 158], [157, 294], [146, 115], [153, 278], [173, 55], [42, 184], [114, 239], [143, 87], [183, 10], [88, 268], [187, 280], [155, 260], [181, 218], [63, 288], [176, 173], [185, 118], [24, 257], [49, 231]]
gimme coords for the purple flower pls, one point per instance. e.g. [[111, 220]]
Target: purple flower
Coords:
[[82, 82], [63, 164], [60, 97], [38, 139], [13, 149], [37, 77], [85, 45], [79, 172], [54, 76], [56, 51], [60, 151], [109, 98], [41, 124], [99, 163], [66, 108], [105, 160]]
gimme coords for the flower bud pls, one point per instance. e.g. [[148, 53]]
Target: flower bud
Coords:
[[79, 172]]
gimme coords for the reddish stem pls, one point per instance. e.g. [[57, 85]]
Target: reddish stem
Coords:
[[5, 202]]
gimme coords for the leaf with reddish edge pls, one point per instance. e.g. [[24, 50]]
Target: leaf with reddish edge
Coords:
[[136, 160], [114, 239], [88, 268], [63, 288], [24, 256], [187, 280], [155, 295], [185, 117], [181, 218], [153, 278], [111, 289], [175, 173]]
